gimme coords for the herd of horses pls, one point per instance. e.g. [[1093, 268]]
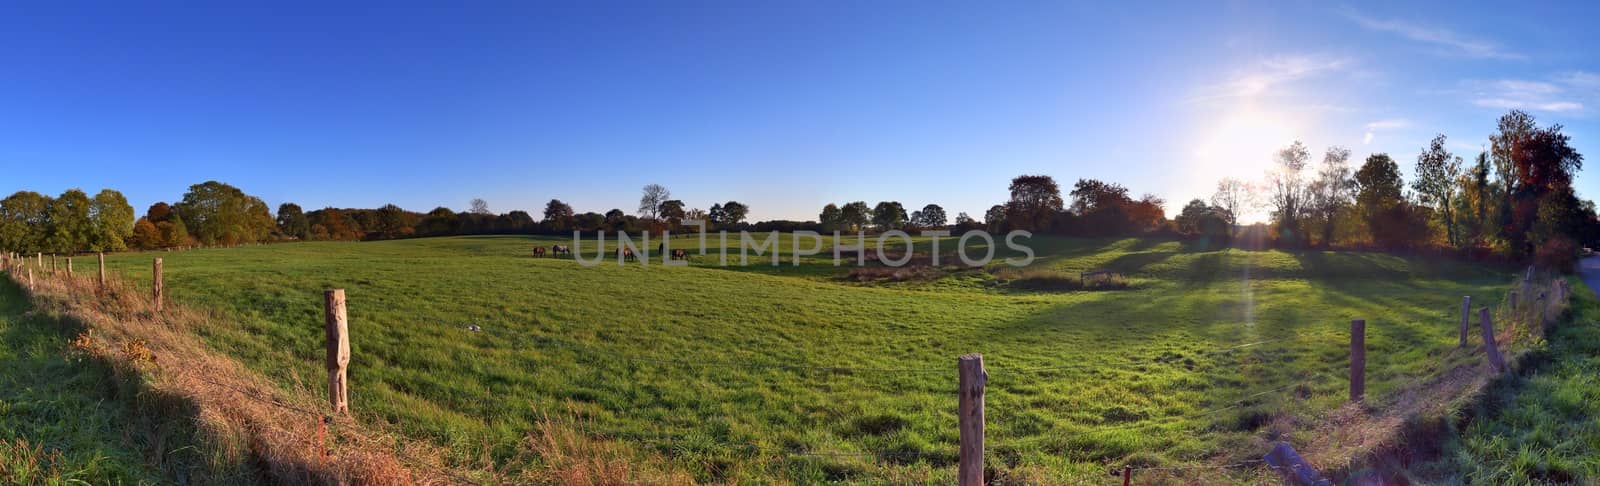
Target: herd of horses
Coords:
[[623, 253]]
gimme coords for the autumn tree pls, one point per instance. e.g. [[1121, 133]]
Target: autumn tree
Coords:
[[70, 229], [557, 215], [1035, 199], [1380, 199], [112, 220], [1435, 184], [888, 215], [292, 221], [855, 215], [217, 213], [1286, 193], [1330, 192], [831, 218], [931, 216], [734, 212], [24, 216]]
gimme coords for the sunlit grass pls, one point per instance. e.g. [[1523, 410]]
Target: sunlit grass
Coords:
[[755, 372]]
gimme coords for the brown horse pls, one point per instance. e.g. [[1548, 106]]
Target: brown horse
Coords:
[[680, 255], [625, 254], [560, 250], [538, 252]]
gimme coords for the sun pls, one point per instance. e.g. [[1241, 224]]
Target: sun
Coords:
[[1241, 143]]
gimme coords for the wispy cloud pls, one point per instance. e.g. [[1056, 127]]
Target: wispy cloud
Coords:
[[1447, 42], [1383, 125], [1262, 77], [1523, 94]]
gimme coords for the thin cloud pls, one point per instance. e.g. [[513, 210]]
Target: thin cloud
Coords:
[[1450, 42], [1266, 75], [1383, 125], [1521, 94]]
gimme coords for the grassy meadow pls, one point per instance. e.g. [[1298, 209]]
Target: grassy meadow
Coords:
[[67, 419], [808, 374]]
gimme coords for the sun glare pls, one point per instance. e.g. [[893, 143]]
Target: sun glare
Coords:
[[1241, 144]]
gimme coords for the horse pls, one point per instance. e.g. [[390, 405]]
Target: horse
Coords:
[[680, 255], [538, 252], [626, 254], [560, 250]]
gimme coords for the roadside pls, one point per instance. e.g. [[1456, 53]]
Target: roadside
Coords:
[[61, 419], [1537, 427]]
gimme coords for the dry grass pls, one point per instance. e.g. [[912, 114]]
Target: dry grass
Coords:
[[574, 458], [249, 424], [241, 419]]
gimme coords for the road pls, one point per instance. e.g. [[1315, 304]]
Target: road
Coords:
[[1589, 269]]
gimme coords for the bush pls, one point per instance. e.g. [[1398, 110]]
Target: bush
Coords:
[[1557, 254], [1043, 279]]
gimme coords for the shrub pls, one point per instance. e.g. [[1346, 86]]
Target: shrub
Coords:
[[1558, 254]]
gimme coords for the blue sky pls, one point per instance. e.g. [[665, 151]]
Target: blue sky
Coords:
[[785, 106]]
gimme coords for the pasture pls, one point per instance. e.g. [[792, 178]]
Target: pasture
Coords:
[[801, 373]]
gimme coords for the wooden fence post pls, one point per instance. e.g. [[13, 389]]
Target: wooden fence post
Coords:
[[1513, 299], [1466, 314], [156, 287], [338, 331], [1544, 310], [53, 266], [970, 418], [102, 269], [1496, 362], [1358, 359], [30, 279], [69, 265]]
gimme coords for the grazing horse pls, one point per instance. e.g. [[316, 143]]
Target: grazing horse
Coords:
[[680, 255], [538, 252], [560, 250], [625, 254]]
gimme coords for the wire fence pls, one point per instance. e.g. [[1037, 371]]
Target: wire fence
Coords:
[[586, 354]]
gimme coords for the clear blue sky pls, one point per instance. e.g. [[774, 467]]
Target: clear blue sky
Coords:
[[782, 105]]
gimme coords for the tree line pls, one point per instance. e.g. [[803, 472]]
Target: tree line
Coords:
[[1514, 201], [214, 213]]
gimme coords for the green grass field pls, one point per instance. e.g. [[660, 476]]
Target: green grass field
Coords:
[[61, 419], [794, 372], [1540, 427]]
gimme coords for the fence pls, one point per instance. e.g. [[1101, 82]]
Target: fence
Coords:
[[971, 376]]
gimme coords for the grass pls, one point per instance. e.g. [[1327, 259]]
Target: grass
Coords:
[[803, 374], [62, 420], [1539, 427]]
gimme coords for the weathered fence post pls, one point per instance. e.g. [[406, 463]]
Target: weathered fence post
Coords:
[[41, 261], [1513, 299], [338, 331], [53, 266], [155, 285], [1466, 313], [69, 265], [970, 413], [1496, 362], [102, 269], [1358, 359], [1544, 310], [30, 279]]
